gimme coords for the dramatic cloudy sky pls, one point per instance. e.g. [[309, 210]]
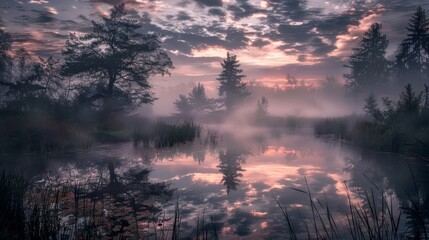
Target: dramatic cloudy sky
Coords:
[[308, 39]]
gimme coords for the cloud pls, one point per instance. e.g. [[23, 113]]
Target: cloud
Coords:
[[321, 48], [39, 1], [243, 9], [260, 43], [40, 43], [235, 38], [209, 3], [43, 16], [217, 12], [112, 2], [242, 221], [183, 16], [51, 10], [264, 33]]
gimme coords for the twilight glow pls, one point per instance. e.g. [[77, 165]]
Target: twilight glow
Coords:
[[308, 39]]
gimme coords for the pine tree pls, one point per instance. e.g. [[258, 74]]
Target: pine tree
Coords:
[[29, 81], [413, 57], [183, 105], [409, 101], [196, 101], [199, 99], [371, 108], [230, 82], [368, 64], [426, 98], [5, 59]]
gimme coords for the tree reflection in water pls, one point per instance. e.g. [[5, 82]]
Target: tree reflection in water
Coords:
[[117, 199], [230, 160]]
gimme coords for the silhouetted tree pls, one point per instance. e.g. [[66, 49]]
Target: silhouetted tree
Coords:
[[409, 102], [401, 67], [403, 114], [27, 84], [91, 97], [230, 82], [413, 57], [330, 84], [36, 82], [183, 105], [197, 101], [368, 63], [426, 98], [291, 80], [5, 60], [371, 108], [49, 71], [116, 56], [262, 107]]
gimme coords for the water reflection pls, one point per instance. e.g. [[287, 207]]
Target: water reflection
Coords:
[[261, 168], [105, 196], [233, 179], [230, 160], [404, 180]]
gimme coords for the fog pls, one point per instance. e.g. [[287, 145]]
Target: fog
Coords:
[[294, 101], [213, 120]]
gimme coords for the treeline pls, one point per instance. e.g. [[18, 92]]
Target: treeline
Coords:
[[46, 102], [402, 125], [369, 67], [370, 70], [232, 91], [106, 69]]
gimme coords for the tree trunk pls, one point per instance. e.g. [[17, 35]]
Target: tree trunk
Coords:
[[108, 99], [105, 121]]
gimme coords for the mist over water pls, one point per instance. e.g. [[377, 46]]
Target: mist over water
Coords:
[[236, 172], [226, 119]]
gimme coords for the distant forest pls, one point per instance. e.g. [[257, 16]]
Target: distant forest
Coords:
[[103, 75]]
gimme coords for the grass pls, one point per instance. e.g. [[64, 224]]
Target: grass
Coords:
[[13, 187], [374, 219], [91, 209], [338, 127], [41, 133], [161, 134], [114, 207], [361, 132]]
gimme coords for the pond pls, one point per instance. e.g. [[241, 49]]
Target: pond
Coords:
[[237, 182]]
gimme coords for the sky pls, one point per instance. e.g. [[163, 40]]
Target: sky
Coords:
[[308, 39]]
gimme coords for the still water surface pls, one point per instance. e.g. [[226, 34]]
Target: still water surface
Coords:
[[234, 179]]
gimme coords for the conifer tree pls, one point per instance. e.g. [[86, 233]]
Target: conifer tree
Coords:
[[231, 84], [5, 59], [368, 64], [413, 56]]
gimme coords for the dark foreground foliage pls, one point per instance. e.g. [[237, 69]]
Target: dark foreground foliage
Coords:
[[373, 218], [118, 206], [400, 126]]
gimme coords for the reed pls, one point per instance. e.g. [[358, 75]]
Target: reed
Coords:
[[162, 134], [374, 219]]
